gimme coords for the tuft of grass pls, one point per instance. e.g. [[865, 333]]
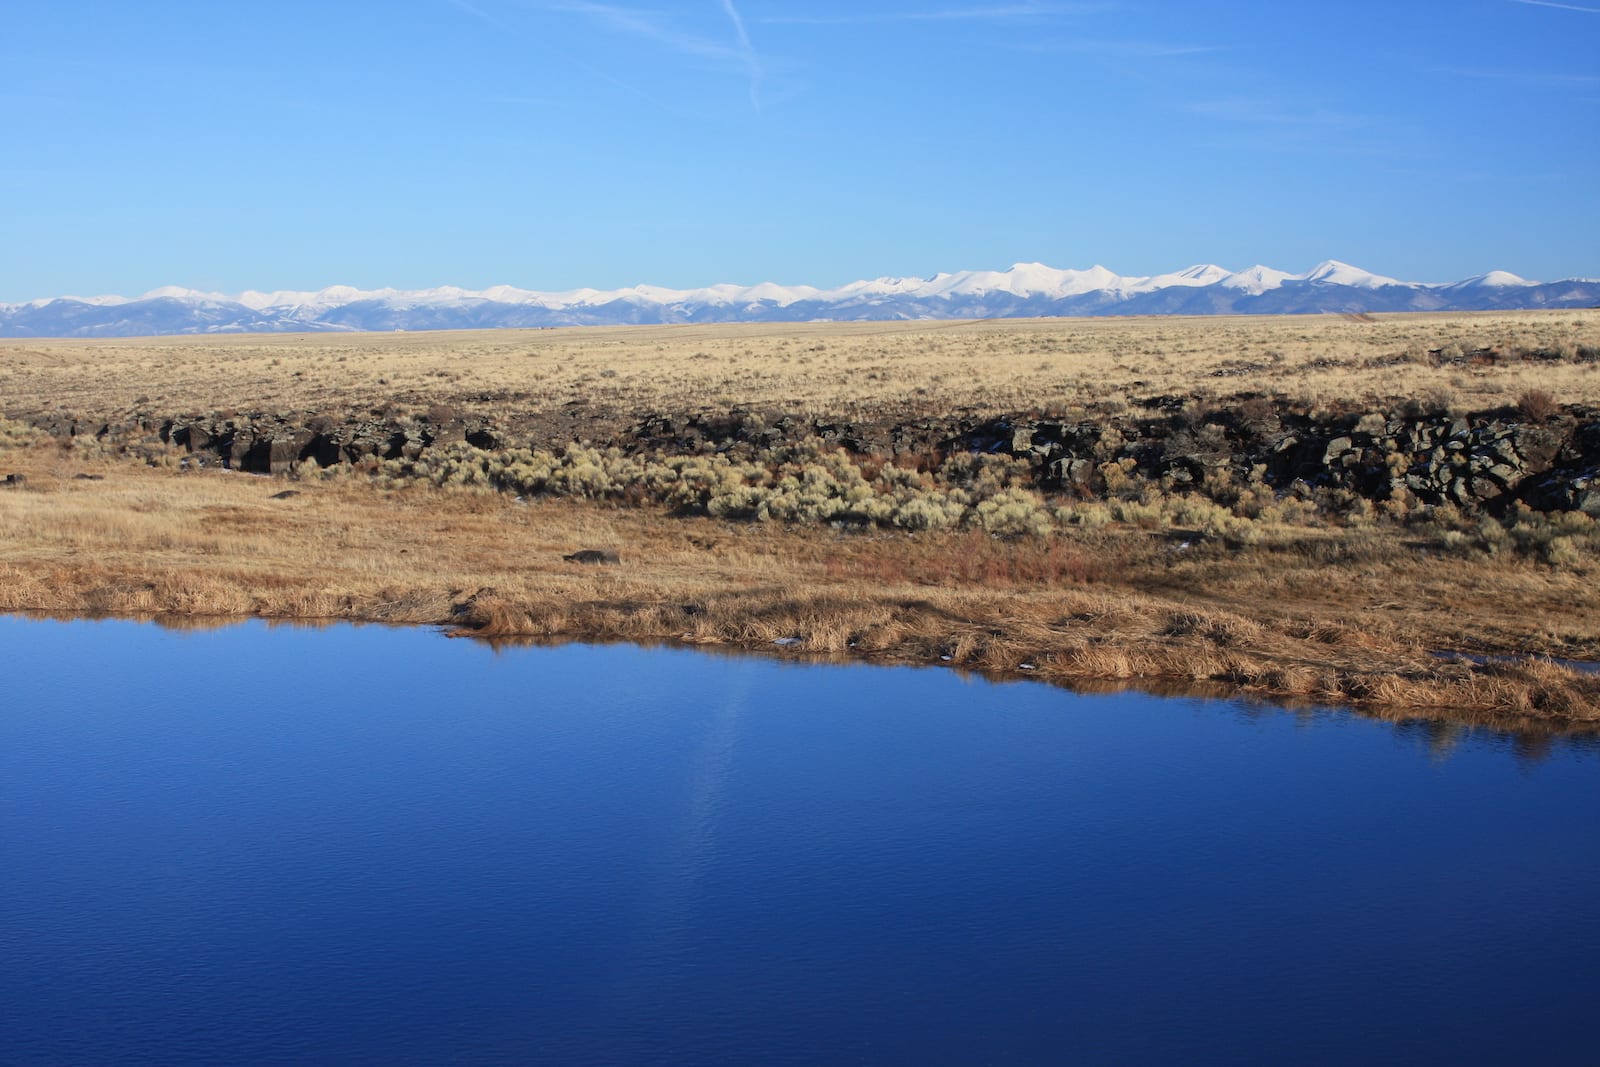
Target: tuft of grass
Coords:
[[1537, 405]]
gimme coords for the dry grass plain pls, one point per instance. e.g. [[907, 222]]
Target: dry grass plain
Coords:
[[844, 369], [1317, 611]]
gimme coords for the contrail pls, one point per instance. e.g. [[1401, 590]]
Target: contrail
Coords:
[[752, 61], [959, 14], [1563, 7]]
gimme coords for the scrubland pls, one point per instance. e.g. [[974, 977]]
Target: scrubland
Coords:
[[804, 548], [869, 369]]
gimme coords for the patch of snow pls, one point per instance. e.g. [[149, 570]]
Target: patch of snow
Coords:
[[193, 296], [1022, 279], [1256, 280], [877, 287], [310, 301], [508, 294], [1495, 279], [1198, 276], [96, 301], [1333, 272]]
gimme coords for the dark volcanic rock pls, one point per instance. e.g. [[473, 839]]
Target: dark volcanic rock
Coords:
[[1487, 460], [592, 555]]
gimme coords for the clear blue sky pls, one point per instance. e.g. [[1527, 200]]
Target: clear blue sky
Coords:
[[555, 144]]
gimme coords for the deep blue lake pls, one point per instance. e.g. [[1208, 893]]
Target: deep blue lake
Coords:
[[365, 845]]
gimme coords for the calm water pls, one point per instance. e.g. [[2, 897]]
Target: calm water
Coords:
[[280, 845]]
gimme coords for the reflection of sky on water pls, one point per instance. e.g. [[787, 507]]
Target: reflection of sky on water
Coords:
[[670, 883], [362, 842]]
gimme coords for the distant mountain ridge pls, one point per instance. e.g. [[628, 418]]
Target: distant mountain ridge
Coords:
[[1023, 290]]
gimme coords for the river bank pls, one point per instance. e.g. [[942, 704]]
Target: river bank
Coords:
[[1325, 613]]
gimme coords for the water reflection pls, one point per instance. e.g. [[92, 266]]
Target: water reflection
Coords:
[[1530, 739], [1303, 709], [1440, 738], [670, 891], [1443, 738], [267, 844]]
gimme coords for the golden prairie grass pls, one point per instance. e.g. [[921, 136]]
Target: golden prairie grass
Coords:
[[1116, 603], [843, 369]]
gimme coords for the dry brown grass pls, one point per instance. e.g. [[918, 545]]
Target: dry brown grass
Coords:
[[1118, 603], [844, 369]]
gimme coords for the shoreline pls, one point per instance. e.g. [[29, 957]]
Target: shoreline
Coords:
[[1116, 606], [1164, 686]]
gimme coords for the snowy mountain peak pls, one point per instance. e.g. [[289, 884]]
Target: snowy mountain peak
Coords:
[[1333, 272], [176, 292], [1022, 289], [1495, 279], [1256, 280], [1201, 274], [96, 301]]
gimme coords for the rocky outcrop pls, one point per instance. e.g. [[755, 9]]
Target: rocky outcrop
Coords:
[[1484, 461], [592, 555], [282, 443], [1487, 460]]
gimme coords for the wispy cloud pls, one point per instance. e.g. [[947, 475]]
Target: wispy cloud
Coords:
[[644, 24], [1124, 49], [476, 12], [1547, 78], [752, 61], [989, 13], [651, 27], [1561, 7]]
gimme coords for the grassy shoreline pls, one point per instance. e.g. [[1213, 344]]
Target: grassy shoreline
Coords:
[[1117, 604]]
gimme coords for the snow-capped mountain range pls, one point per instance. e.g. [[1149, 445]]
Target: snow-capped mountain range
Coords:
[[1025, 289]]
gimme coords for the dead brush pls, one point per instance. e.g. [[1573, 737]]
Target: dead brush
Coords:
[[1291, 679], [1523, 687], [665, 620], [488, 614], [831, 634], [999, 654], [30, 590], [194, 595], [1217, 628], [1189, 661], [883, 634], [964, 647], [1107, 661], [1532, 685], [1326, 632], [1537, 405]]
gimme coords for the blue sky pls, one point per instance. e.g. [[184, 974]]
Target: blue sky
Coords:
[[555, 144]]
